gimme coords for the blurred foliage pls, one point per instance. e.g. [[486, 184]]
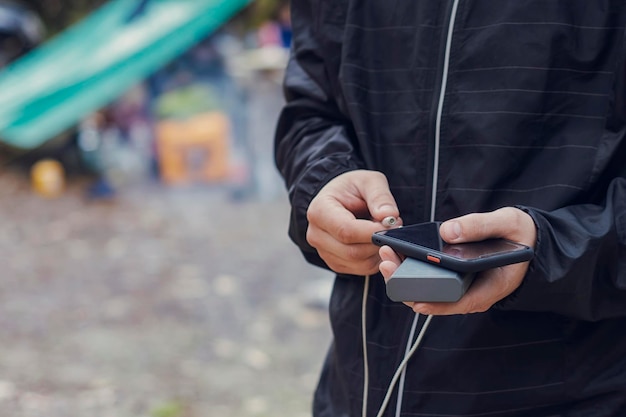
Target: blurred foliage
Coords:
[[184, 102], [169, 409], [262, 10], [59, 14]]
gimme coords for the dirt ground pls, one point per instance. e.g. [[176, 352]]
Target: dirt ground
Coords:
[[160, 303]]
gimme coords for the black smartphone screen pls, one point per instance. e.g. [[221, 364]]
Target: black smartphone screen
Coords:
[[422, 241], [427, 235]]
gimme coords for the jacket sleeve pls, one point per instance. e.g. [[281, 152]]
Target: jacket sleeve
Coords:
[[314, 141], [579, 268]]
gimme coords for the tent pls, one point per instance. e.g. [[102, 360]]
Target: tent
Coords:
[[81, 70]]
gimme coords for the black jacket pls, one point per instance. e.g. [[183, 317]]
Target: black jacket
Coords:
[[493, 103]]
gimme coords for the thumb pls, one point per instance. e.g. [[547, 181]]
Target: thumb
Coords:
[[377, 195], [507, 222]]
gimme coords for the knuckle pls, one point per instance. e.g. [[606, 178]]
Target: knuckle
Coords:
[[520, 217], [480, 308], [469, 306], [477, 305], [354, 253], [311, 237], [360, 264], [311, 214], [332, 262], [379, 176], [482, 224], [344, 234], [472, 308], [338, 268], [474, 225], [373, 265], [510, 216], [424, 309]]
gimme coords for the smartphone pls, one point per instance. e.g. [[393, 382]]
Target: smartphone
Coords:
[[423, 242]]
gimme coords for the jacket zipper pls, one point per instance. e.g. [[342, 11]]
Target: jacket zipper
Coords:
[[439, 114], [433, 201]]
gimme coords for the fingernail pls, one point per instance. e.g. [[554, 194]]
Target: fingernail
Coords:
[[454, 228]]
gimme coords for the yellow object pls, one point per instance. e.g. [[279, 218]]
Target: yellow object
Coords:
[[195, 149], [48, 178]]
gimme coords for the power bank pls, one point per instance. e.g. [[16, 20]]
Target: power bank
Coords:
[[419, 281]]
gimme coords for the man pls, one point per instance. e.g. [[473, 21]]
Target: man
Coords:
[[504, 119]]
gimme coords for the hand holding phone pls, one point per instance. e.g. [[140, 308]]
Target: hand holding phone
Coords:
[[423, 242]]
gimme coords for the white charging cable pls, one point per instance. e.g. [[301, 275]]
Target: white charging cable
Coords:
[[366, 369], [403, 375], [401, 368]]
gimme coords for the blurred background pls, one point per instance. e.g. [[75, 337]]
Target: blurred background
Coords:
[[145, 268]]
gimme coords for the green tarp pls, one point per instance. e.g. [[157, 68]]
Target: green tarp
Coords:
[[94, 62]]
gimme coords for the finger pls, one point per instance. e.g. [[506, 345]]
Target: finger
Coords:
[[332, 217], [388, 254], [354, 258], [477, 299], [344, 244], [387, 268], [380, 202], [362, 266], [390, 261], [487, 289], [508, 222], [325, 208]]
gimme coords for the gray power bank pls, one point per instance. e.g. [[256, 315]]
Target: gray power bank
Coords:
[[423, 282]]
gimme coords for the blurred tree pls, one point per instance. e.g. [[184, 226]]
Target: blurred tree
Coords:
[[260, 11], [59, 14]]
